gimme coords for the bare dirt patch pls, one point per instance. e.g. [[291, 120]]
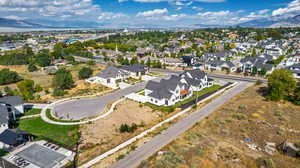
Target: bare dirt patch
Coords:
[[222, 139], [104, 134]]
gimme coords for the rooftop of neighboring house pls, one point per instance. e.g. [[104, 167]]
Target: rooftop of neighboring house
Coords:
[[12, 136], [40, 154], [12, 100], [134, 68], [111, 72], [4, 116]]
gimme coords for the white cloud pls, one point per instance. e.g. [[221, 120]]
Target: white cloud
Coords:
[[59, 9], [214, 14], [111, 15], [175, 1], [293, 7], [151, 13]]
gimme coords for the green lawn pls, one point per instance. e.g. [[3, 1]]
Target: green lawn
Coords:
[[169, 109], [64, 135], [32, 112]]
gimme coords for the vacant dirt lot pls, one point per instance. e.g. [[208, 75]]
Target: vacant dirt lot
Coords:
[[223, 139], [104, 134]]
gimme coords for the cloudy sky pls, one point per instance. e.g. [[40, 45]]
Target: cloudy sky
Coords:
[[116, 13]]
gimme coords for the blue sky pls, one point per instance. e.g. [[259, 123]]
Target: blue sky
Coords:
[[115, 13]]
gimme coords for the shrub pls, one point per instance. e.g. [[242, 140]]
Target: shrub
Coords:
[[265, 162], [63, 79], [126, 128], [85, 73], [58, 92], [7, 76], [32, 68]]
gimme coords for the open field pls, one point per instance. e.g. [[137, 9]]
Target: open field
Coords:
[[44, 79], [222, 139], [64, 135], [104, 134]]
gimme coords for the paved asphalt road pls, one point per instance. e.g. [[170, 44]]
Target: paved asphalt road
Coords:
[[90, 107], [167, 136], [218, 76]]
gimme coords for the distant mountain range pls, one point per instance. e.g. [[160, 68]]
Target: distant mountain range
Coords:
[[36, 24], [19, 24], [273, 22]]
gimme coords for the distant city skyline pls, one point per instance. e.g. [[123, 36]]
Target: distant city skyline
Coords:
[[165, 13]]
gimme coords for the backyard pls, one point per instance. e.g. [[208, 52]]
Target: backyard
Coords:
[[66, 136]]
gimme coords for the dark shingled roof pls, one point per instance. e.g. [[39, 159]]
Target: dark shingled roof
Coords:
[[163, 88], [11, 100], [10, 137], [111, 72], [134, 68], [4, 116], [41, 156]]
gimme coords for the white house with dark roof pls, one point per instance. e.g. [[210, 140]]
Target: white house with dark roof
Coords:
[[135, 70], [168, 92], [10, 106], [111, 76], [295, 69], [220, 66]]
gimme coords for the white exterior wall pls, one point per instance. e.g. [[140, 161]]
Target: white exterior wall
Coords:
[[19, 109]]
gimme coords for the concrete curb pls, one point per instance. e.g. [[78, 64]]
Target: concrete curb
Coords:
[[46, 119]]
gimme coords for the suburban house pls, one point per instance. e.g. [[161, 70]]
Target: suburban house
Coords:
[[188, 60], [5, 118], [295, 69], [172, 61], [14, 104], [10, 106], [168, 92], [110, 76], [276, 51], [135, 70], [11, 138], [220, 66], [38, 154], [291, 60], [249, 63]]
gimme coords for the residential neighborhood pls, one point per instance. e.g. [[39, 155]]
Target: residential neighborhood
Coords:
[[176, 87]]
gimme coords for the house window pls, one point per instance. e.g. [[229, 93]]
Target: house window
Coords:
[[152, 100], [155, 101]]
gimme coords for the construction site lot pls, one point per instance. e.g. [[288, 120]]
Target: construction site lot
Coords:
[[243, 133], [104, 134]]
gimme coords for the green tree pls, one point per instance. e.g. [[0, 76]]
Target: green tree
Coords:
[[27, 88], [281, 84], [31, 68], [296, 98], [43, 58], [254, 71], [134, 60], [63, 79], [85, 73], [7, 76]]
